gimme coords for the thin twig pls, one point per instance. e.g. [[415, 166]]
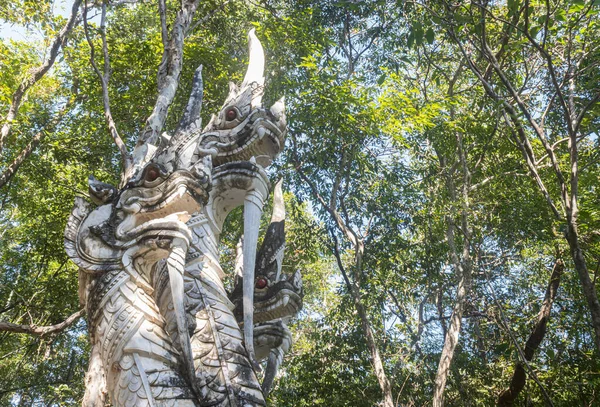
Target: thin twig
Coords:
[[104, 78], [207, 17]]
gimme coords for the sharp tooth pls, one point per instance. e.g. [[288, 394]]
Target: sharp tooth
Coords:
[[286, 300], [253, 160]]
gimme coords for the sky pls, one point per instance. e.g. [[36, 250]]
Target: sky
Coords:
[[19, 33]]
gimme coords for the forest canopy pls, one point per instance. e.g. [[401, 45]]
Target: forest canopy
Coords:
[[441, 170]]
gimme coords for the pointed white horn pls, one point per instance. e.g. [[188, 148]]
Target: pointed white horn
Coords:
[[253, 206], [278, 203], [256, 65]]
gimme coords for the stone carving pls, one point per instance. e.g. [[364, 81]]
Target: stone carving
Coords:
[[163, 329]]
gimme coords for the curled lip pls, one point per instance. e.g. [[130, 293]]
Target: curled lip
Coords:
[[170, 227], [142, 199], [161, 211], [274, 302]]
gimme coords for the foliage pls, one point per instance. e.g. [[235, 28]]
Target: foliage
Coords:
[[381, 102]]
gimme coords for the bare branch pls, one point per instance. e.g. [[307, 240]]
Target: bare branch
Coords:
[[41, 330], [208, 16], [523, 143], [104, 78], [38, 73], [168, 79], [10, 171]]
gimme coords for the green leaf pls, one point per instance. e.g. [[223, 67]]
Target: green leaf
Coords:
[[430, 35]]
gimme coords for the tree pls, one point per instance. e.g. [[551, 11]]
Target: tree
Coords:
[[428, 213]]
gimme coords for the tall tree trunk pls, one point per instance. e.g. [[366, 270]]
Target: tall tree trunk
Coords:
[[354, 289], [382, 379], [517, 383], [463, 265], [451, 340]]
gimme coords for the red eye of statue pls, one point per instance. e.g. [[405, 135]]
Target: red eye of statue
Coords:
[[261, 283], [231, 114], [152, 174]]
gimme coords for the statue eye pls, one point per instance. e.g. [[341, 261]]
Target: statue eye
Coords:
[[261, 283], [231, 114], [152, 173]]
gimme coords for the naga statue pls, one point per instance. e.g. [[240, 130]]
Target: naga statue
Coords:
[[164, 331]]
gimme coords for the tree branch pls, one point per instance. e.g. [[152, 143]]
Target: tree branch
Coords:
[[208, 16], [41, 330], [10, 171], [38, 73], [104, 78], [517, 383], [168, 78]]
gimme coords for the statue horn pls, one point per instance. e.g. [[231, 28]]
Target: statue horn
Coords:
[[256, 65]]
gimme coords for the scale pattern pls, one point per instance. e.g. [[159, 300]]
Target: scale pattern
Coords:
[[225, 376], [142, 366]]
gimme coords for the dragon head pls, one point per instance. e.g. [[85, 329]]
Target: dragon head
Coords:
[[243, 128], [135, 227], [165, 193], [155, 202], [276, 294]]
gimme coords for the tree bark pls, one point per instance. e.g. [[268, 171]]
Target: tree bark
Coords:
[[517, 383], [168, 72], [451, 339], [41, 330]]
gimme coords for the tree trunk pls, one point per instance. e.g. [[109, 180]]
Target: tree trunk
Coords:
[[354, 289], [589, 290], [451, 340], [463, 264], [384, 383], [517, 383]]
